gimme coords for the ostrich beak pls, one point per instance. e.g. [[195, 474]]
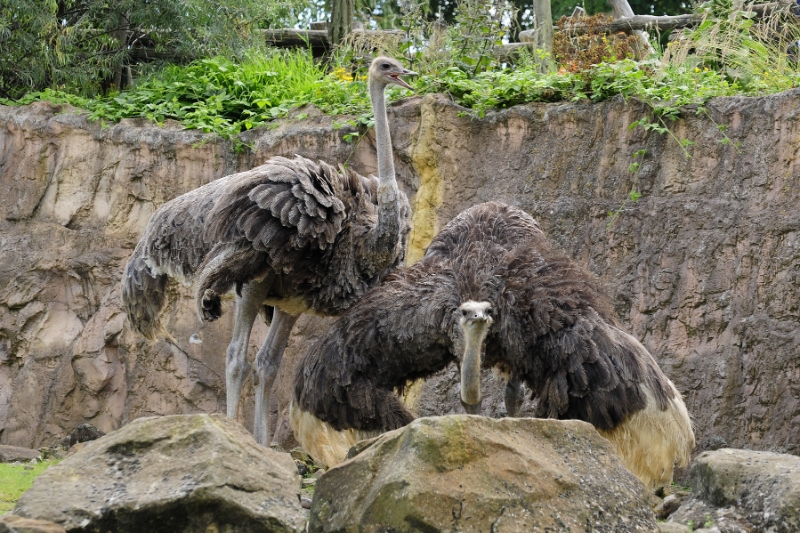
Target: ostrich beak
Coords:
[[401, 82]]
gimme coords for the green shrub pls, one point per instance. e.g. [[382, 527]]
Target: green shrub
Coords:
[[84, 46]]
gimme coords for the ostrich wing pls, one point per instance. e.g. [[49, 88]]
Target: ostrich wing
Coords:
[[558, 329], [173, 241], [286, 204], [399, 331]]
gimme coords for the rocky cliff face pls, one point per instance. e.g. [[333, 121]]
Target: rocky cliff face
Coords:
[[704, 268]]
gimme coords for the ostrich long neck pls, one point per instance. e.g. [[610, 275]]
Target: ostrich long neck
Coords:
[[388, 229], [471, 364]]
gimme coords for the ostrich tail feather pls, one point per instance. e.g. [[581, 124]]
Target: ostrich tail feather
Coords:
[[651, 441], [144, 296], [324, 444]]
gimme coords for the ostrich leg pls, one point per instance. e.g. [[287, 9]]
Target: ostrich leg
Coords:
[[236, 366], [514, 396], [268, 362], [472, 409]]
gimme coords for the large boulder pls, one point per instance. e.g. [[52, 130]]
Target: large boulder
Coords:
[[743, 491], [475, 474], [9, 454], [172, 474]]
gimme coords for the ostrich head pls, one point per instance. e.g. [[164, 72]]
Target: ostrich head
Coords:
[[385, 71], [474, 321]]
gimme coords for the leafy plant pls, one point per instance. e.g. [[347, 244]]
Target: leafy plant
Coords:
[[748, 51], [218, 95], [662, 114], [480, 26], [703, 110], [434, 47], [635, 166], [634, 195]]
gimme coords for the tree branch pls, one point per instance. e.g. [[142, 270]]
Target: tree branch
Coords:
[[667, 23]]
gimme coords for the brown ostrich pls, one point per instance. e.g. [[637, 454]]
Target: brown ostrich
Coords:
[[491, 292], [293, 234]]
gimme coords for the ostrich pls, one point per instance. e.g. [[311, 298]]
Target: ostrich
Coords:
[[293, 234], [491, 292]]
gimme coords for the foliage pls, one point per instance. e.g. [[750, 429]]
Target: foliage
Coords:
[[434, 47], [225, 96], [479, 27], [14, 480], [386, 13], [640, 7], [578, 52], [221, 96], [634, 195], [217, 95], [674, 87], [748, 51], [86, 45]]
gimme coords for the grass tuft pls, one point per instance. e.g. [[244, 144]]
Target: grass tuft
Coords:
[[14, 480]]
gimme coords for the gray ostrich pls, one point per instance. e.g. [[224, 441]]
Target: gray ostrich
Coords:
[[491, 292], [293, 234]]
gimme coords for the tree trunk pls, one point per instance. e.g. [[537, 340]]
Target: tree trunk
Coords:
[[342, 12], [543, 34], [121, 35]]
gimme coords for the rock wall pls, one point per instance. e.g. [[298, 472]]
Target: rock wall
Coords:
[[704, 268]]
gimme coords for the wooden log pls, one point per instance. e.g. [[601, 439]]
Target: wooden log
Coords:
[[647, 22], [627, 25], [149, 54], [289, 37], [667, 23], [509, 53]]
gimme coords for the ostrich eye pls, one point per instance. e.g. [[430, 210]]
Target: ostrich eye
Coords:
[[489, 311], [464, 312], [386, 66]]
